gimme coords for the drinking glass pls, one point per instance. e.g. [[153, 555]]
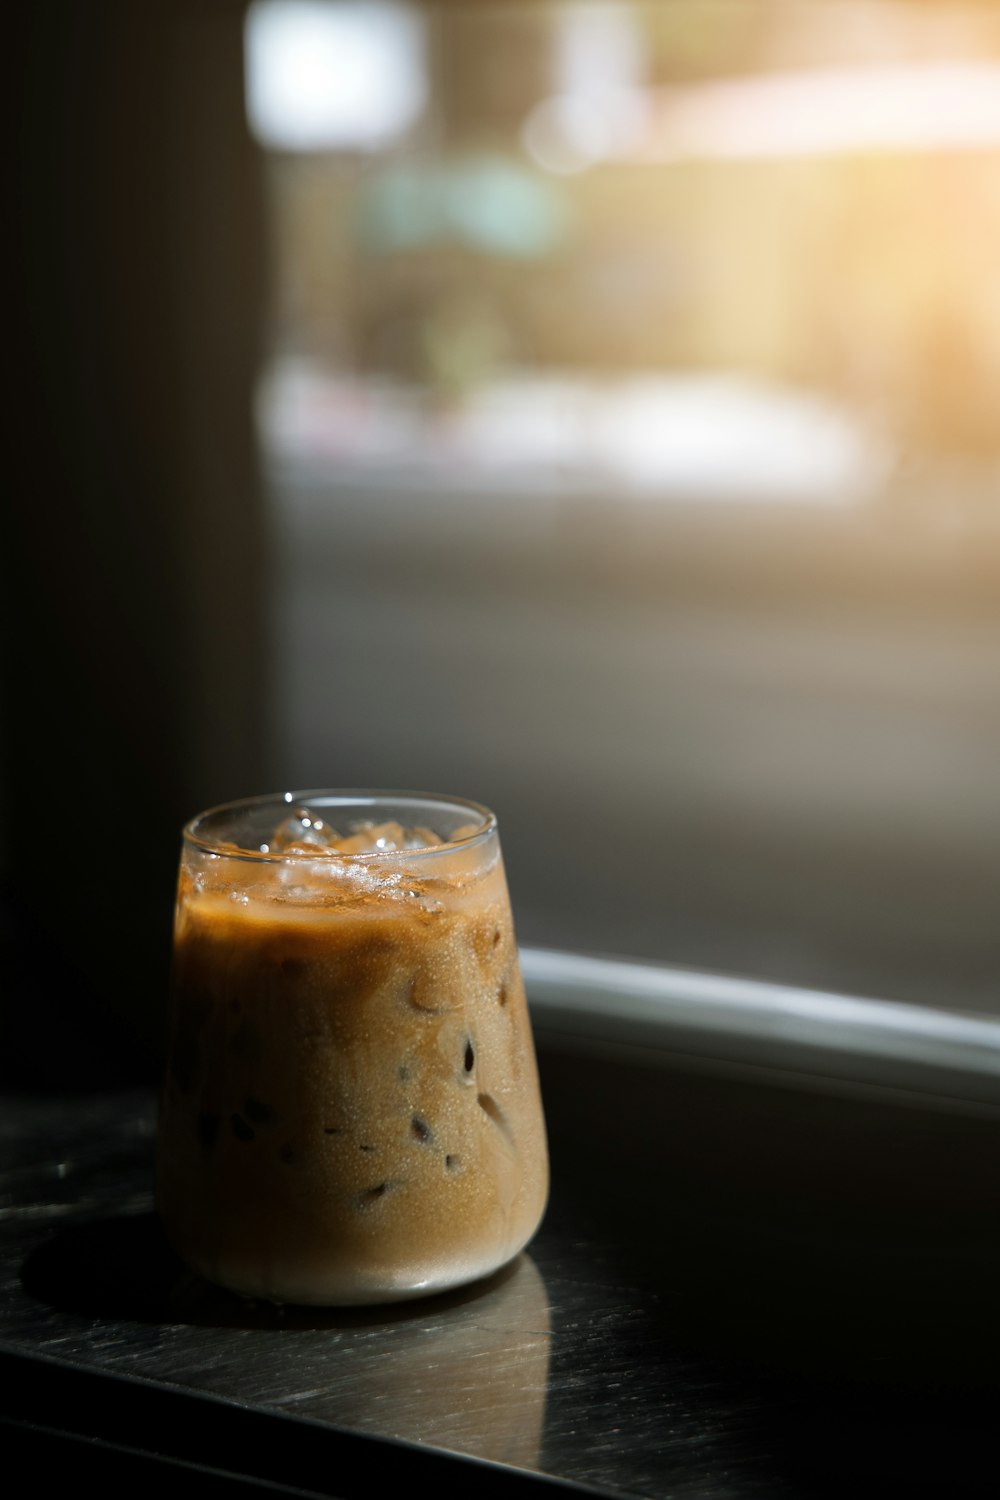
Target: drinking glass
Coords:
[[350, 1109]]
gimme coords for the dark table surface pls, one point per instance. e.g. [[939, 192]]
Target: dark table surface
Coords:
[[745, 1285]]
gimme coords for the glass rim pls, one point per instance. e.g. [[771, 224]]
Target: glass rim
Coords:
[[193, 832]]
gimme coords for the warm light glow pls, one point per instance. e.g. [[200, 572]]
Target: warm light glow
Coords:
[[599, 64], [326, 76], [708, 439], [824, 112], [571, 132]]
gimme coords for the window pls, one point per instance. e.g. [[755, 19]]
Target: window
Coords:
[[631, 418]]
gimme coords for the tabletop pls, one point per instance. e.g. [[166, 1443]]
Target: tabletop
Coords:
[[751, 1281]]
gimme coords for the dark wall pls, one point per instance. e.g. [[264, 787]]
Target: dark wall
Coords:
[[135, 660]]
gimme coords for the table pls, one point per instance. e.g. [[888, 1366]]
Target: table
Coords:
[[754, 1279]]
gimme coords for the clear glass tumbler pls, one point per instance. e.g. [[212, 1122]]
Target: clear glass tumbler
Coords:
[[350, 1108]]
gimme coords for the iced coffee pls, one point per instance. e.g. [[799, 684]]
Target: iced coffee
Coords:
[[350, 1108]]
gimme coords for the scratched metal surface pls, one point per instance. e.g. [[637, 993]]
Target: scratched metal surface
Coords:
[[595, 1358]]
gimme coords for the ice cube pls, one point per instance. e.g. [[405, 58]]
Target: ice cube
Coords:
[[372, 838], [421, 838], [303, 832]]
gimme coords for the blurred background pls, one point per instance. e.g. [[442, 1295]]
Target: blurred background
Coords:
[[589, 408]]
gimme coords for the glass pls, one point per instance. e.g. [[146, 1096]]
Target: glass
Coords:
[[350, 1108]]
